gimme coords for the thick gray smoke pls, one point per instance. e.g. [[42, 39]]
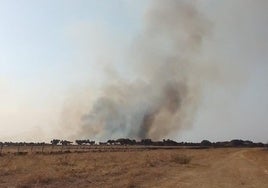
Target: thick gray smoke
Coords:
[[163, 94]]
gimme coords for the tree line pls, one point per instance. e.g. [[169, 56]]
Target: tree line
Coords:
[[145, 142]]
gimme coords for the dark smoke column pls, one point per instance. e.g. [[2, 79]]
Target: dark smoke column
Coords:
[[165, 93]]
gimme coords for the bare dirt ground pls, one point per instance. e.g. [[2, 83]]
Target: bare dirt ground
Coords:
[[189, 168]]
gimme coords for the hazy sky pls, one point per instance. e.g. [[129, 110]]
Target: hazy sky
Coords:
[[51, 53]]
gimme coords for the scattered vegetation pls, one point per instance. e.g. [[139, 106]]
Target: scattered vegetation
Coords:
[[55, 141]]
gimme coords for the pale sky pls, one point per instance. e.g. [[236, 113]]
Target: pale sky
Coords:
[[52, 50]]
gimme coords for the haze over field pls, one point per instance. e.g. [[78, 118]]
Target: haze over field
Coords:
[[186, 70]]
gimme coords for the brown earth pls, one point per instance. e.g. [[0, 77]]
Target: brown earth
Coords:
[[187, 168]]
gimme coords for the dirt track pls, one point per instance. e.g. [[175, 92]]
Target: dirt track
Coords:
[[235, 168], [229, 167]]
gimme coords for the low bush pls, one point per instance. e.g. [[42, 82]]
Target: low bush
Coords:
[[181, 159]]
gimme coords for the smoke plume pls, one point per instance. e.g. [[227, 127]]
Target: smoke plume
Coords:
[[163, 92]]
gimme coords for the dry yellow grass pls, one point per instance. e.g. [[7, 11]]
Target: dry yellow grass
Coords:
[[153, 168]]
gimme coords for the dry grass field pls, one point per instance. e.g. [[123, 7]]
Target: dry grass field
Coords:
[[228, 167]]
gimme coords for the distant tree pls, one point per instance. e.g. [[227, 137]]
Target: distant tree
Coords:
[[237, 142], [248, 143], [65, 142], [146, 142], [55, 141], [102, 143], [81, 142], [125, 141], [91, 142], [206, 143], [169, 142], [111, 142]]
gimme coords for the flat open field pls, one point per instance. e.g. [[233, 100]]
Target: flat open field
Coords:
[[226, 167]]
